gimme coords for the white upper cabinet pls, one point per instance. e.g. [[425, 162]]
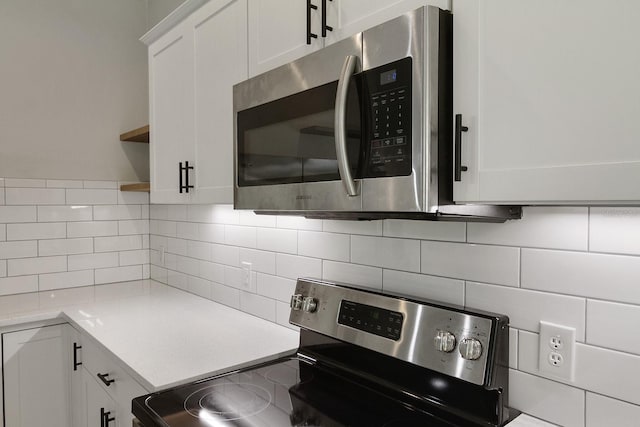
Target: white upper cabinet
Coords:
[[348, 17], [192, 70], [279, 32], [171, 93], [549, 91]]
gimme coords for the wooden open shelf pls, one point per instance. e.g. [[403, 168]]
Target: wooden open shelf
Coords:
[[143, 187], [136, 135]]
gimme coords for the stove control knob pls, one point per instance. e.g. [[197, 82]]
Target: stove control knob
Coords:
[[309, 304], [296, 302], [445, 341], [470, 348]]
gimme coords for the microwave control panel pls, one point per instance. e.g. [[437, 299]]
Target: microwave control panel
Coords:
[[388, 116]]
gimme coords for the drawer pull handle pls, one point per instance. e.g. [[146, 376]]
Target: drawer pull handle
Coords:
[[104, 418], [76, 347], [105, 380]]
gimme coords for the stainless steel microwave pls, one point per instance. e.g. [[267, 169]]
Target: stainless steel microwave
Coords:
[[361, 129]]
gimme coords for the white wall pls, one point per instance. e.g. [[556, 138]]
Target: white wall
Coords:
[[73, 77], [574, 266], [159, 9]]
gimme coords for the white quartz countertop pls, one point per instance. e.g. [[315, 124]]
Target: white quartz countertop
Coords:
[[161, 335]]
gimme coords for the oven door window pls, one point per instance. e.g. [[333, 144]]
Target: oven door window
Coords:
[[291, 140]]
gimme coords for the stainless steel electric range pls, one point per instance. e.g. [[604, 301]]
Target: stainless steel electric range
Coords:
[[365, 359]]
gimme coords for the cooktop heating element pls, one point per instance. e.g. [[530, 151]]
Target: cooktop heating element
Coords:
[[365, 359]]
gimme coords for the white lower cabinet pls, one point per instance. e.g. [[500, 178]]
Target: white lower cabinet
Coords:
[[74, 382], [36, 369]]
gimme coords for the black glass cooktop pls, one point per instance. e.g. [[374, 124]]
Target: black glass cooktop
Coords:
[[286, 392]]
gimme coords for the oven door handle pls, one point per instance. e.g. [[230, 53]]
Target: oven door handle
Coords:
[[340, 125]]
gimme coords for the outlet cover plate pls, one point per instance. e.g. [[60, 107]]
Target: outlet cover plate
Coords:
[[557, 351]]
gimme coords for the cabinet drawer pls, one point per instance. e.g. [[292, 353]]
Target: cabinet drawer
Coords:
[[121, 386]]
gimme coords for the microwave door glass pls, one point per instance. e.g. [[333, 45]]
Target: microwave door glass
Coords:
[[291, 140]]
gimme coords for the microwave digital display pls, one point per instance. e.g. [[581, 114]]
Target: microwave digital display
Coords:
[[388, 77]]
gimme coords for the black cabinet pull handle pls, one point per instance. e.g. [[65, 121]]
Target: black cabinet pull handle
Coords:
[[180, 187], [104, 418], [458, 168], [184, 183], [325, 27], [76, 347], [106, 380], [310, 35]]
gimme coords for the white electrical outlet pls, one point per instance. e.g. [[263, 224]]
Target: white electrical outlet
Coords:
[[557, 351], [248, 282]]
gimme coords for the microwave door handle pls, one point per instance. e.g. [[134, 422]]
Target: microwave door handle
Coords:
[[340, 119]]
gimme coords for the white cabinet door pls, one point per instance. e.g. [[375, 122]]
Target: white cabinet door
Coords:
[[220, 44], [348, 17], [101, 409], [77, 396], [278, 32], [36, 377], [171, 93], [550, 93]]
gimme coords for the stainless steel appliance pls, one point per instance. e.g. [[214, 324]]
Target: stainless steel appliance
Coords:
[[361, 129], [365, 359]]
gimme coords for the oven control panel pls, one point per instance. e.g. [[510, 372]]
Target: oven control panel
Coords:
[[450, 340]]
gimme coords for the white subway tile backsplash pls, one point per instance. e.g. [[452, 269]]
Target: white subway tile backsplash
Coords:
[[92, 197], [100, 184], [212, 271], [18, 249], [292, 267], [612, 277], [187, 230], [144, 212], [258, 306], [24, 183], [233, 277], [159, 273], [135, 226], [176, 246], [527, 308], [159, 212], [360, 275], [3, 232], [282, 315], [91, 261], [146, 272], [298, 223], [71, 279], [240, 236], [59, 183], [400, 254], [199, 286], [277, 240], [18, 285], [25, 266], [485, 263], [118, 212], [543, 227], [10, 214], [199, 250], [371, 228], [146, 241], [178, 280], [118, 274], [615, 230], [250, 218], [275, 287], [34, 196], [31, 231], [187, 265], [227, 255], [132, 198], [548, 400], [199, 213], [332, 246], [65, 246], [426, 230], [158, 241], [513, 348], [64, 213], [134, 257], [262, 261], [224, 214], [92, 229], [225, 295], [1, 195], [3, 268], [608, 325], [117, 243], [211, 233], [604, 411], [163, 228], [423, 286]]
